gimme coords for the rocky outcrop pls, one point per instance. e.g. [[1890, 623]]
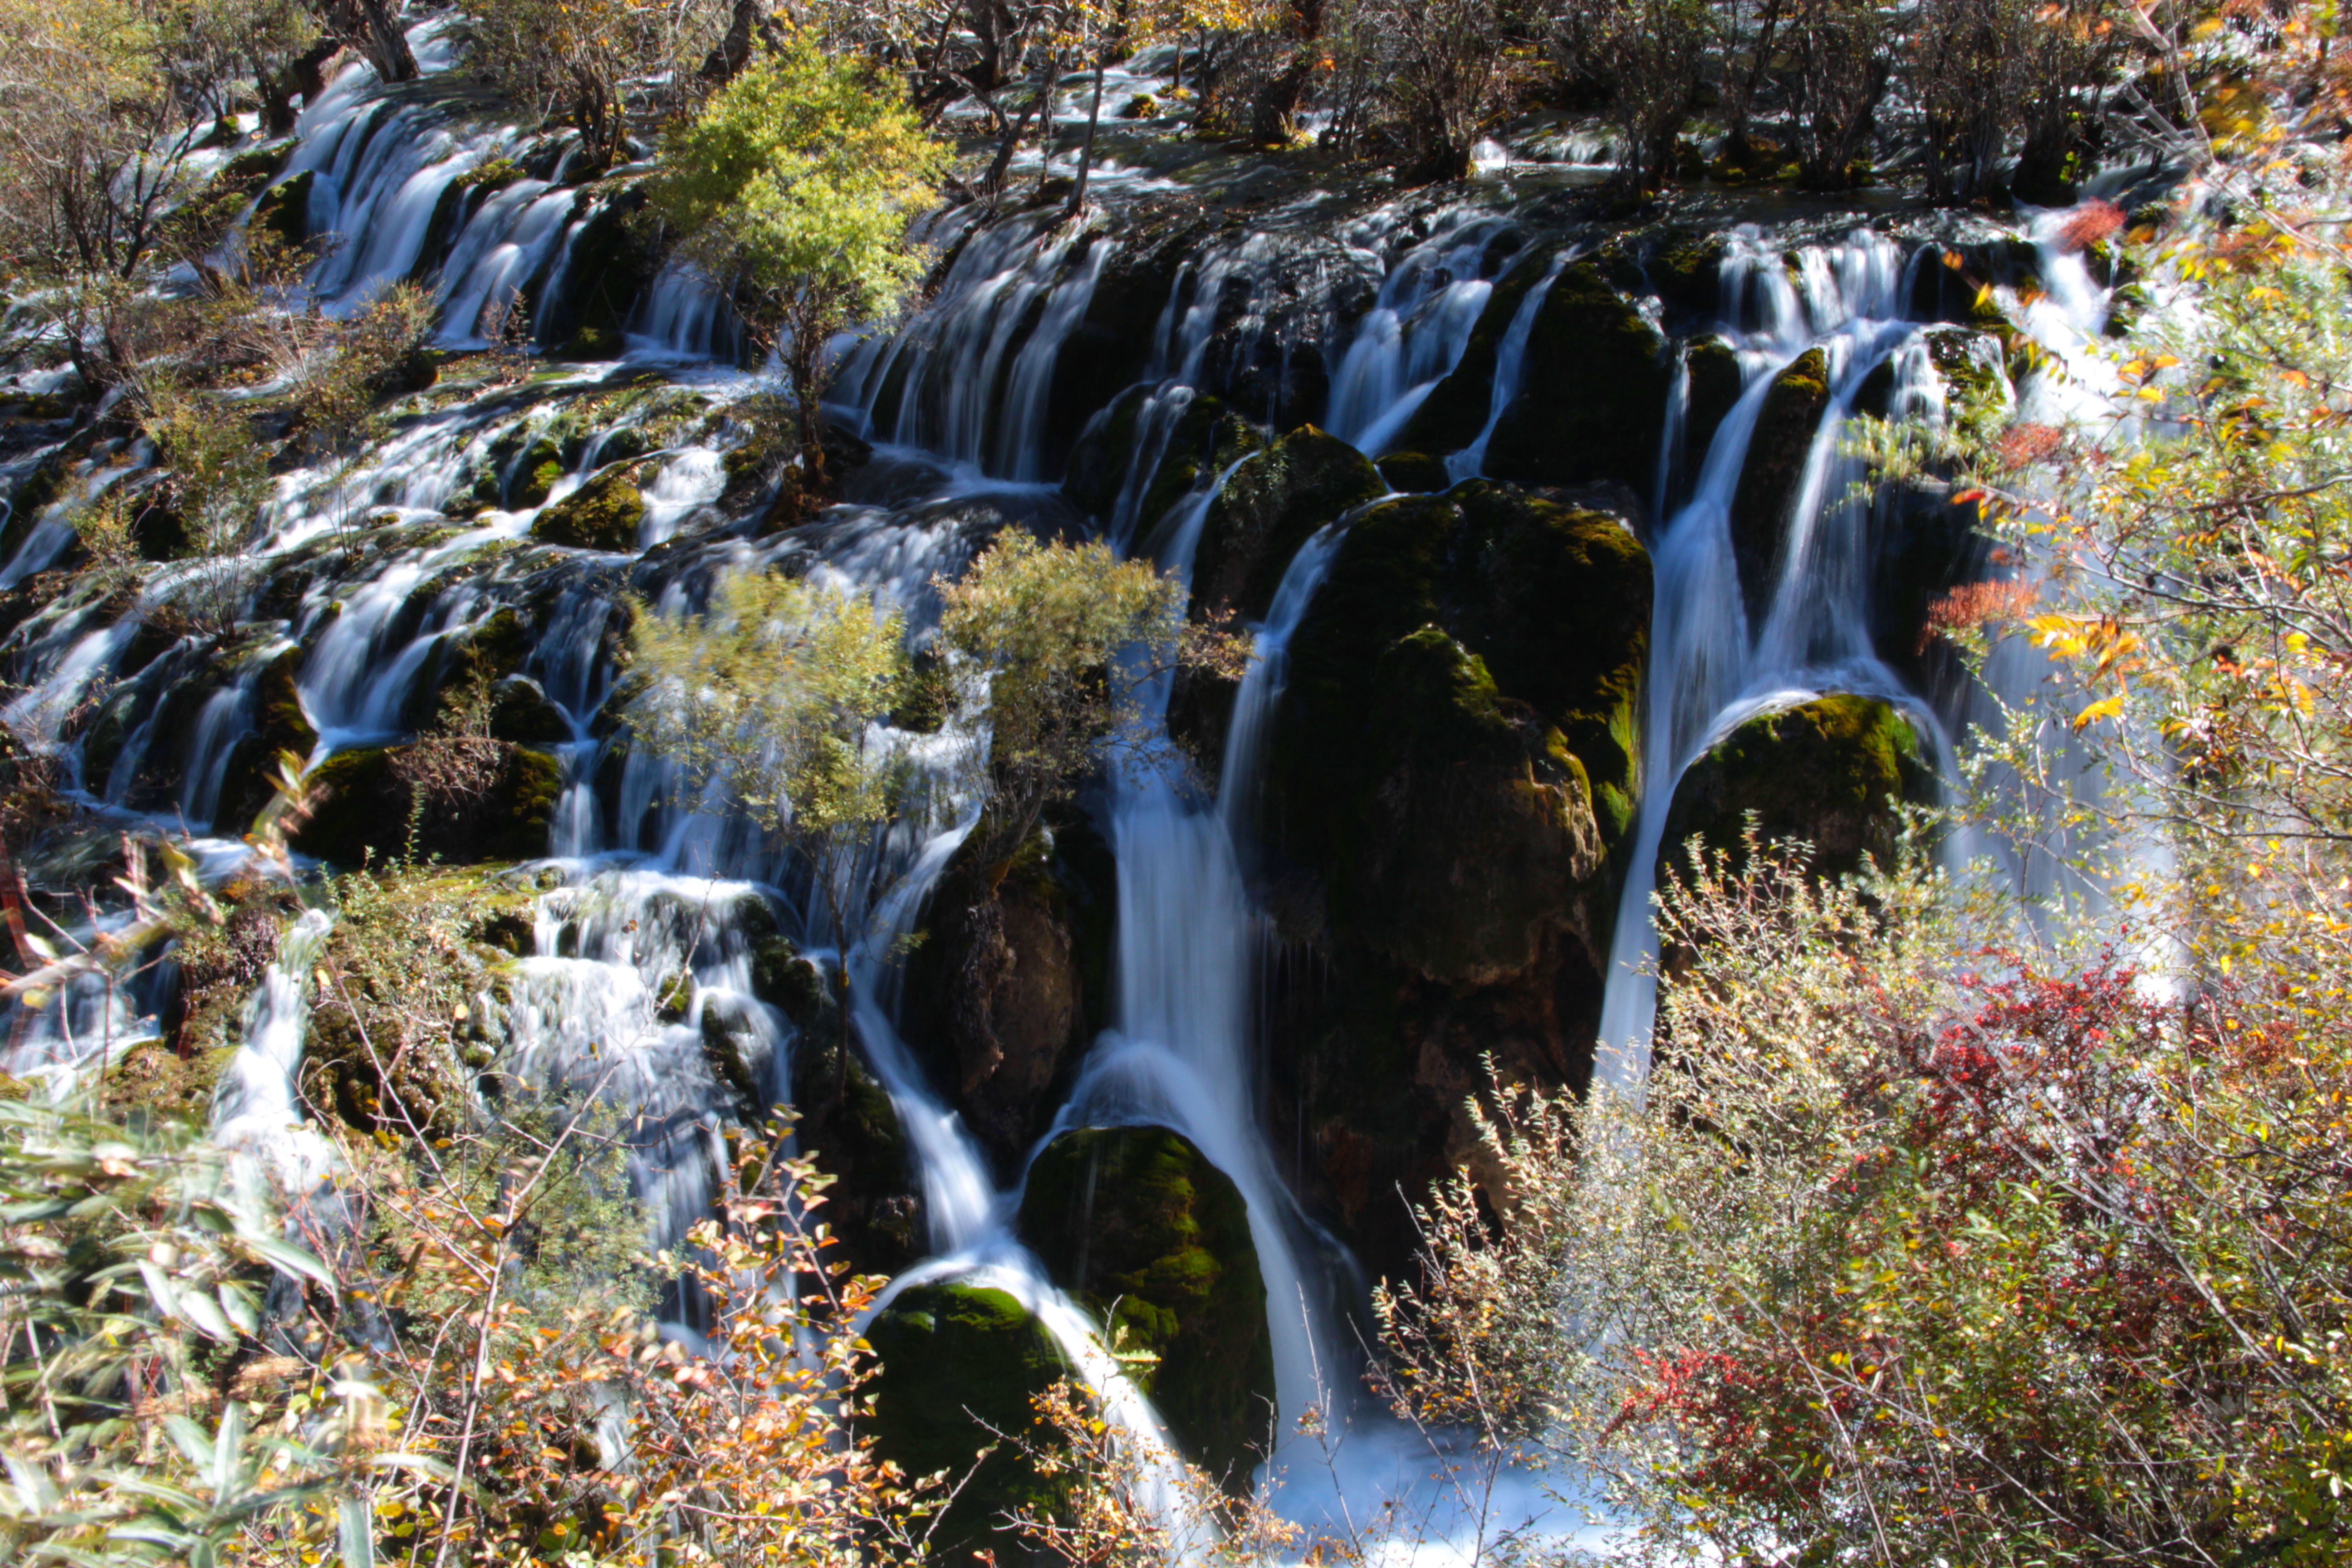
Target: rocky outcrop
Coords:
[[604, 513], [364, 807], [960, 1366], [1454, 413], [1136, 1223], [1593, 395], [1830, 771], [1775, 467], [1010, 977], [1451, 765], [1266, 509]]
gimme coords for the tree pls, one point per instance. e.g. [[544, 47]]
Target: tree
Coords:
[[795, 185], [597, 64], [1647, 55], [1061, 643], [1435, 71], [776, 696], [94, 140]]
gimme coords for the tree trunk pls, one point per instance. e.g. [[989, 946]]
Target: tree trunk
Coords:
[[369, 25], [1086, 151], [1002, 162], [733, 52]]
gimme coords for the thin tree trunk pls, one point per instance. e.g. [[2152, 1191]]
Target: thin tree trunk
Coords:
[[733, 52], [1086, 151]]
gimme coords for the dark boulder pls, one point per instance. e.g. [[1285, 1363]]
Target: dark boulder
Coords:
[[365, 805], [1830, 771], [960, 1364], [1136, 1224], [1593, 395], [1775, 467]]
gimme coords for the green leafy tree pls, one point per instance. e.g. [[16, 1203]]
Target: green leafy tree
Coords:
[[794, 186], [777, 696], [1060, 643]]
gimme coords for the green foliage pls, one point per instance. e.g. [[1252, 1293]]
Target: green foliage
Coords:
[[1059, 642], [794, 186], [773, 694]]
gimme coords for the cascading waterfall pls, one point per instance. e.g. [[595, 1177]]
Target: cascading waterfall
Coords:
[[1708, 672], [650, 907]]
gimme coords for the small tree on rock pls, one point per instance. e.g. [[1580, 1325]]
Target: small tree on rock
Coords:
[[794, 187]]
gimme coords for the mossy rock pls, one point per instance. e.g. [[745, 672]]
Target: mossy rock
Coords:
[[1266, 509], [604, 514], [521, 712], [490, 650], [1715, 384], [1103, 454], [1777, 454], [283, 211], [1457, 745], [279, 726], [1454, 413], [1967, 362], [1415, 473], [960, 1363], [1592, 396], [150, 1085], [1829, 772], [1208, 439], [1137, 1224], [850, 1126], [364, 809], [1685, 267]]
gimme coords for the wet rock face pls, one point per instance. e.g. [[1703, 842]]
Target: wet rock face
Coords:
[[602, 514], [1450, 766], [1011, 980], [961, 1363], [1266, 509], [1592, 397], [1829, 772], [1137, 1225], [364, 807], [1454, 413], [1768, 481]]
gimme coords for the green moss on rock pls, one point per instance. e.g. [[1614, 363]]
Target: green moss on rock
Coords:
[[602, 514], [1592, 397], [1455, 412], [1828, 772], [364, 810], [1775, 467], [1457, 746], [960, 1363], [1411, 473], [1156, 1240], [283, 211], [1267, 508]]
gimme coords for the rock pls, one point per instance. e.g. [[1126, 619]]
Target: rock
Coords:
[[1541, 613], [283, 211], [279, 726], [1685, 267], [998, 993], [364, 809], [1207, 440], [848, 1122], [1105, 447], [1715, 383], [1156, 1241], [521, 712], [604, 513], [1454, 413], [1777, 455], [530, 470], [1451, 765], [1592, 397], [1415, 472], [1266, 509], [961, 1363], [1826, 772]]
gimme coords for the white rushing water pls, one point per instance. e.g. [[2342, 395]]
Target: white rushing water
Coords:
[[650, 908]]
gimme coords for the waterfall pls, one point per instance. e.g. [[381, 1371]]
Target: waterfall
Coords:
[[1511, 355], [1415, 332], [1708, 670]]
